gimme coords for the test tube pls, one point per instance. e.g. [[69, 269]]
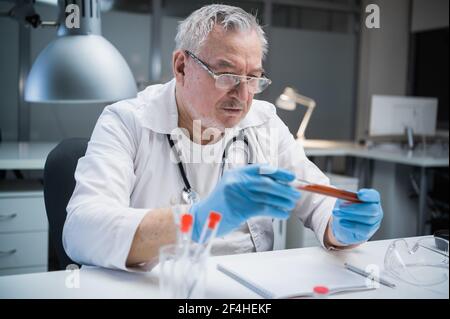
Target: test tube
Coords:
[[183, 261], [185, 234], [185, 230], [209, 232], [214, 217], [325, 190], [213, 226]]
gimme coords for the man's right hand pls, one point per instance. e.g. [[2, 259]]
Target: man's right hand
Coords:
[[246, 192]]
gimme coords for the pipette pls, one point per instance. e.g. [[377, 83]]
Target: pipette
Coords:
[[325, 190]]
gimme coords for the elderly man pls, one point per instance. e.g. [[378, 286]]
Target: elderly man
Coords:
[[142, 166]]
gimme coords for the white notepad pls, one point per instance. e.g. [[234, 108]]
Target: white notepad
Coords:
[[288, 276]]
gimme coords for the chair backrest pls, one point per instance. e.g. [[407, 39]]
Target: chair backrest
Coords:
[[59, 183]]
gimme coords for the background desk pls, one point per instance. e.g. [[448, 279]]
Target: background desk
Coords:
[[23, 221], [24, 156], [104, 283], [384, 176]]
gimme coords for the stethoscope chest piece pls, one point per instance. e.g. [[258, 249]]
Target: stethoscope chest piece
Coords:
[[189, 196]]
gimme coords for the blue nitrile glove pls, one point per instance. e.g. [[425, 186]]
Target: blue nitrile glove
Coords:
[[243, 193], [356, 222]]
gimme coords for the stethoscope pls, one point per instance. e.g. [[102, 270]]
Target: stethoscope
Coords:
[[189, 195]]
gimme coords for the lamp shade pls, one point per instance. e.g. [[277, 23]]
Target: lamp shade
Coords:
[[287, 100], [80, 69], [286, 103]]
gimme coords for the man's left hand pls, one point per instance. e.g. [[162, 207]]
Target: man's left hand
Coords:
[[354, 223]]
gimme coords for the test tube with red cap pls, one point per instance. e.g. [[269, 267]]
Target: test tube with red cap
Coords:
[[209, 231], [213, 226], [185, 230], [210, 228], [321, 292]]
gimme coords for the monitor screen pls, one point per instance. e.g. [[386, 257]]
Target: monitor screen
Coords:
[[391, 115]]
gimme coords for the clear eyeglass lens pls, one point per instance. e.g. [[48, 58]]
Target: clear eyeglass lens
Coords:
[[229, 81], [421, 263]]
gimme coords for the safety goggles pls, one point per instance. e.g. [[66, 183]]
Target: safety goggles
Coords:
[[422, 263]]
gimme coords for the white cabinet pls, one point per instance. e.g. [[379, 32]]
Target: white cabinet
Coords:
[[23, 228]]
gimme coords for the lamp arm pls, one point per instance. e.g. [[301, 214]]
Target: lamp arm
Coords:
[[304, 123], [305, 101]]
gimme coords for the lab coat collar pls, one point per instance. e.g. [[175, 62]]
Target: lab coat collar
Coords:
[[159, 113], [158, 107]]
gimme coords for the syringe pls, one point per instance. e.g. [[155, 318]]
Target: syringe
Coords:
[[325, 190]]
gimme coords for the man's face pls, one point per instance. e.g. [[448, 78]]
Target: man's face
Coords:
[[232, 52]]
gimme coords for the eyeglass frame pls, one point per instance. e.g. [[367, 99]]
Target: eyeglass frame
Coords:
[[216, 76]]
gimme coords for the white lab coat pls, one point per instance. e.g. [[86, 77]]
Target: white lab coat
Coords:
[[126, 172]]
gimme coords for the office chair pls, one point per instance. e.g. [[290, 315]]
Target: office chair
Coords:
[[59, 183]]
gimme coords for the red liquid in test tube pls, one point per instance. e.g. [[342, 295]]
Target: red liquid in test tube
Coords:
[[327, 191]]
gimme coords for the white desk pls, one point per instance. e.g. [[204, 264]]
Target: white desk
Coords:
[[430, 158], [25, 156], [104, 283]]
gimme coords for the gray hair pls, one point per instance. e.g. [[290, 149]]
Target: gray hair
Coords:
[[193, 31]]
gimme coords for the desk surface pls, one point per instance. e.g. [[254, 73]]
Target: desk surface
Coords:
[[33, 155], [434, 156], [105, 283], [24, 155]]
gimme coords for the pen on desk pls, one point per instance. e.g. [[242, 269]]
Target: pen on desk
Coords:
[[369, 275]]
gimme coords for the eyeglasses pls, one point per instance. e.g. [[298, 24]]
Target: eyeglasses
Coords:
[[229, 81]]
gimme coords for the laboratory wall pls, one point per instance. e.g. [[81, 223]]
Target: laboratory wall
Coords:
[[320, 65], [383, 63], [9, 35], [429, 15]]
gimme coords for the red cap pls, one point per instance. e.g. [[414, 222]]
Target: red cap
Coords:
[[321, 290], [186, 223], [214, 219]]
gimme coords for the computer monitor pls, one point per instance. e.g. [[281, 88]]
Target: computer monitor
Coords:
[[391, 115]]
